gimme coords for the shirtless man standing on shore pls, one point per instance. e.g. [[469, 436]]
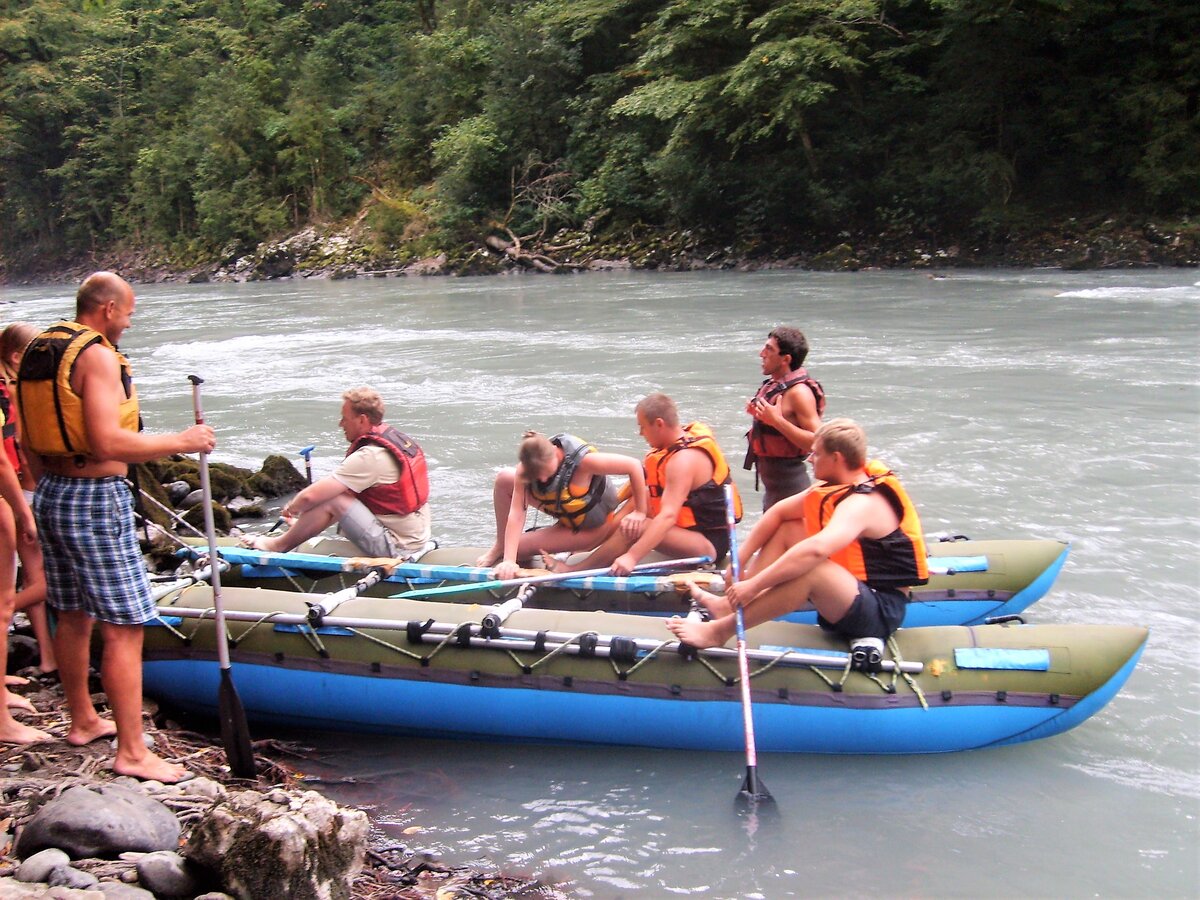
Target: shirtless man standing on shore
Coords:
[[84, 511]]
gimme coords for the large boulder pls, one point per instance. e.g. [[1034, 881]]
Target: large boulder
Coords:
[[276, 478], [303, 847], [102, 821]]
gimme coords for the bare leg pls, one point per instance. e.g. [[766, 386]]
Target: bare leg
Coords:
[[31, 600], [502, 491], [72, 640], [678, 542], [121, 672], [715, 604], [11, 731], [612, 547], [828, 587], [312, 522], [790, 533]]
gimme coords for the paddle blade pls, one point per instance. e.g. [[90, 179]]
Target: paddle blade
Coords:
[[753, 792], [235, 733]]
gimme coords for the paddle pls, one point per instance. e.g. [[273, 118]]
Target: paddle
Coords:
[[753, 791], [548, 578], [306, 452], [235, 733]]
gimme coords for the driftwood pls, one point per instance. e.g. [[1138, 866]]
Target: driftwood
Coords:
[[532, 260]]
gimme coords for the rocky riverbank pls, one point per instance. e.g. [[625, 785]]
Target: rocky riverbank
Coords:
[[352, 252], [220, 838]]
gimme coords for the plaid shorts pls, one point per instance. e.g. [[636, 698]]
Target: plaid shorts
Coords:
[[90, 549]]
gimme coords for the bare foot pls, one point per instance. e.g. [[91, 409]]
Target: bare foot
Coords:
[[16, 701], [715, 604], [14, 732], [80, 736], [556, 566], [489, 559], [258, 542], [14, 680], [698, 634], [152, 767]]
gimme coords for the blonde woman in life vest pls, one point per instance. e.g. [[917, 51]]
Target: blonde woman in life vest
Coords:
[[571, 481]]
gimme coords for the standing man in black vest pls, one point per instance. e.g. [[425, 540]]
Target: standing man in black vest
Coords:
[[785, 420]]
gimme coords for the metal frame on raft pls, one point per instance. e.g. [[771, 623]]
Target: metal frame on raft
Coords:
[[478, 635]]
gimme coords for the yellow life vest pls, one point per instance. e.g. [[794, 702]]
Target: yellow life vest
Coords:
[[51, 412], [896, 560], [556, 497], [704, 507]]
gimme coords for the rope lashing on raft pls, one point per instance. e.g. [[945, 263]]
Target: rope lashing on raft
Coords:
[[587, 644]]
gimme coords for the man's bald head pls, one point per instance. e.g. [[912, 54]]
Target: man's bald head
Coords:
[[98, 289]]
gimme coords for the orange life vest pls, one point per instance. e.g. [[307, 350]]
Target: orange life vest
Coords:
[[897, 560], [704, 507]]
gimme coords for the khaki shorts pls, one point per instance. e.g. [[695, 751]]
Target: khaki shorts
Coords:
[[406, 536]]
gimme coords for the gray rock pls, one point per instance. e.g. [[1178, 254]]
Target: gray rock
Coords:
[[306, 849], [192, 499], [65, 876], [115, 890], [177, 490], [166, 873], [39, 866], [213, 895], [100, 822]]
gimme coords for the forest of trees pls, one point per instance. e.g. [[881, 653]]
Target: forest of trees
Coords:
[[196, 125]]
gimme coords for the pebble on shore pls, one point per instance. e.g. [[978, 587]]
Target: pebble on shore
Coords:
[[32, 775]]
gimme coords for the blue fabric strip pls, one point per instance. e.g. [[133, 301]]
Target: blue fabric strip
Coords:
[[1002, 658]]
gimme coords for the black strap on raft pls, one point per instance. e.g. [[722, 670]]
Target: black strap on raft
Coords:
[[587, 644], [463, 635], [539, 642], [687, 651], [622, 649], [1001, 620], [415, 630]]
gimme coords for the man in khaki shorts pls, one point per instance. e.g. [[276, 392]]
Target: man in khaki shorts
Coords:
[[378, 496]]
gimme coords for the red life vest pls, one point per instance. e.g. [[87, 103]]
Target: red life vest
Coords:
[[768, 441], [704, 507], [410, 491], [10, 428], [897, 560]]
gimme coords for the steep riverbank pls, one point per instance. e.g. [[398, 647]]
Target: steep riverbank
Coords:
[[353, 252]]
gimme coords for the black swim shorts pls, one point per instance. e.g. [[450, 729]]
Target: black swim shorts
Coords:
[[874, 613], [719, 538]]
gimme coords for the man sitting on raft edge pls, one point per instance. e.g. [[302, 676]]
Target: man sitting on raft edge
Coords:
[[569, 479], [378, 496], [686, 474], [851, 546]]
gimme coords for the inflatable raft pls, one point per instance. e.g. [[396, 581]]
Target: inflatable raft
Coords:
[[538, 675], [971, 581]]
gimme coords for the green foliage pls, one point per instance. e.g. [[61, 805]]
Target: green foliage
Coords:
[[194, 123]]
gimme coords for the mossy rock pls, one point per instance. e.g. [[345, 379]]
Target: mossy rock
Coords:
[[144, 477], [277, 477], [225, 484], [222, 521]]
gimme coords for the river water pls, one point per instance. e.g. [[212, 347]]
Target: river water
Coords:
[[1033, 403]]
